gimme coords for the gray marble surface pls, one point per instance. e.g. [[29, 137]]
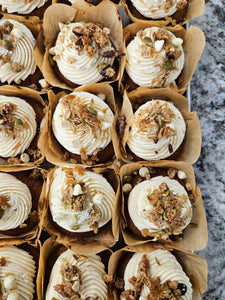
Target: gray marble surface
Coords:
[[208, 99]]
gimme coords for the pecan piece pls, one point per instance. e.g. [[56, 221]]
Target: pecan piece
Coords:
[[108, 72], [113, 53], [120, 125]]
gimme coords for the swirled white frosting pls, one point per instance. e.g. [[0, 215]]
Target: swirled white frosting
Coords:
[[162, 264], [19, 200], [156, 9], [99, 192], [21, 6], [19, 272], [23, 46], [140, 140], [79, 137], [12, 144], [92, 270], [145, 63], [77, 66], [139, 206]]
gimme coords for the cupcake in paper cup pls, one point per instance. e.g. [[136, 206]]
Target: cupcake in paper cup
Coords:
[[17, 41], [81, 126], [82, 203], [164, 12], [156, 124], [21, 113], [84, 44], [19, 196], [159, 57], [77, 270], [157, 272], [19, 263], [24, 7], [162, 202]]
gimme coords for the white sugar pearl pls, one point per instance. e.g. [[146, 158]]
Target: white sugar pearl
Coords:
[[25, 157], [127, 187], [144, 171], [181, 175]]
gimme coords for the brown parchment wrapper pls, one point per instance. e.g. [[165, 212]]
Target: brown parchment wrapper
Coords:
[[193, 265], [33, 248], [117, 3], [31, 96], [30, 227], [195, 235], [50, 146], [195, 9], [108, 234], [193, 45], [190, 148], [105, 13], [52, 248]]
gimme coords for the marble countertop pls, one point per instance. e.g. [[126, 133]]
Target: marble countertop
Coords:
[[208, 99]]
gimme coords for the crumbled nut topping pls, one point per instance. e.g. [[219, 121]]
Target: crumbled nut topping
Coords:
[[71, 280], [167, 209], [2, 261], [120, 125], [3, 204], [14, 161], [181, 4], [155, 121], [9, 41], [108, 72], [34, 153], [170, 290], [39, 173]]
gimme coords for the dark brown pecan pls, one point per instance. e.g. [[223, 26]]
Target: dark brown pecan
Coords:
[[155, 139], [120, 125], [170, 148], [79, 42], [113, 53], [119, 283], [108, 72]]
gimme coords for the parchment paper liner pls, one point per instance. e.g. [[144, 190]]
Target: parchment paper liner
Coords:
[[50, 146], [189, 150], [193, 265], [195, 9], [118, 5], [33, 248], [109, 233], [51, 245], [194, 238], [23, 92], [193, 45], [105, 13], [36, 230]]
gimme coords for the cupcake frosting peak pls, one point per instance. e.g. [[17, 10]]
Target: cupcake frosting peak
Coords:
[[84, 52], [80, 200], [155, 275], [23, 7], [16, 47], [156, 9], [155, 57], [17, 125], [157, 131], [82, 123]]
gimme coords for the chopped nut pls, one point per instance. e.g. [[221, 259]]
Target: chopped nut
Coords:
[[107, 278], [120, 125], [14, 161], [145, 232], [2, 261], [171, 172], [189, 186], [23, 225], [108, 72]]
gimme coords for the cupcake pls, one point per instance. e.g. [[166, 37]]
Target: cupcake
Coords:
[[84, 48], [76, 270], [161, 57], [17, 272], [21, 112], [156, 124], [81, 203], [24, 7], [160, 202], [19, 196], [81, 127], [163, 12]]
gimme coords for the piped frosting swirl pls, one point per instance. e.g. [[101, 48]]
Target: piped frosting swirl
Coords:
[[23, 7], [81, 52], [157, 130], [17, 273], [82, 123], [159, 205], [17, 125], [81, 274], [157, 9], [155, 57], [15, 202], [161, 268], [80, 200], [16, 47]]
